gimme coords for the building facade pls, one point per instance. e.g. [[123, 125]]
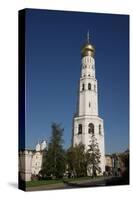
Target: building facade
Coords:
[[109, 161], [117, 163], [86, 120], [30, 161]]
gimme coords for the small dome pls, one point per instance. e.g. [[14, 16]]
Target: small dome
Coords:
[[43, 145], [38, 147], [87, 49]]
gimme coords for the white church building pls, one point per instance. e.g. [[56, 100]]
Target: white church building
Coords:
[[86, 120], [30, 161]]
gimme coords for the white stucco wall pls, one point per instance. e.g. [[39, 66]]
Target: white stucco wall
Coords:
[[25, 164], [37, 162]]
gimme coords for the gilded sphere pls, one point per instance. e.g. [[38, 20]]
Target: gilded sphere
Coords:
[[87, 49]]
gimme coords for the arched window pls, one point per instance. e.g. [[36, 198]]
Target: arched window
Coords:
[[80, 129], [99, 129], [83, 86], [89, 104], [89, 86], [91, 128]]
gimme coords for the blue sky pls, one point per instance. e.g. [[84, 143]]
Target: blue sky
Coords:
[[53, 43]]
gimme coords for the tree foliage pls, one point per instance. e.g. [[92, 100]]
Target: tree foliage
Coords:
[[125, 160], [93, 156], [54, 158], [76, 160]]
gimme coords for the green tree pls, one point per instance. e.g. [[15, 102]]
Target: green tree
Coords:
[[76, 160], [54, 162], [93, 156], [44, 166], [70, 160], [125, 158], [126, 166]]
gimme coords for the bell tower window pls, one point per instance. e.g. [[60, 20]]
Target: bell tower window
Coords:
[[89, 86], [80, 129], [99, 129], [91, 128], [83, 86]]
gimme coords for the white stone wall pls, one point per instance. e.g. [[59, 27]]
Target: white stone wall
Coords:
[[88, 100], [30, 162], [25, 164], [37, 162], [88, 67]]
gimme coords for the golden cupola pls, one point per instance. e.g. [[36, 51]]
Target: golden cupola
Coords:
[[87, 49]]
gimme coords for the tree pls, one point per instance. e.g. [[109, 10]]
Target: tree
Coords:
[[76, 160], [54, 164], [93, 156], [125, 166], [43, 171], [70, 160], [125, 159]]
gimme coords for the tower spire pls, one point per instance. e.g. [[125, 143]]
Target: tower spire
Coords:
[[88, 36]]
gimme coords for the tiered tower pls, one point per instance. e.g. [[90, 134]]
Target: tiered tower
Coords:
[[87, 120]]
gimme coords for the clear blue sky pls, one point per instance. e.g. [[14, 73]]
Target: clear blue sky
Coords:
[[53, 43]]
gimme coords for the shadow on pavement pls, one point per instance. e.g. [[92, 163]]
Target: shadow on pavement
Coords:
[[111, 181]]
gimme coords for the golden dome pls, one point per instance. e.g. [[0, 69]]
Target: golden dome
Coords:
[[87, 49]]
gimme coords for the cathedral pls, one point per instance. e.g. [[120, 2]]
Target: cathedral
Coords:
[[86, 120]]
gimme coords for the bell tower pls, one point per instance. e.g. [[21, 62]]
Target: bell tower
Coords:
[[87, 120]]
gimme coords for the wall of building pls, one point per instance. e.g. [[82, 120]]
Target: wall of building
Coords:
[[37, 162], [30, 161], [25, 165]]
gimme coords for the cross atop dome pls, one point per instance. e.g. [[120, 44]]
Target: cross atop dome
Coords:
[[88, 36], [87, 49]]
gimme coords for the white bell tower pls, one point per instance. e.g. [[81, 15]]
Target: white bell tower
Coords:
[[87, 120]]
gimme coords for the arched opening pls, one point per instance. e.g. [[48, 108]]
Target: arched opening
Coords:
[[99, 129], [89, 86], [91, 128], [80, 129], [83, 86]]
